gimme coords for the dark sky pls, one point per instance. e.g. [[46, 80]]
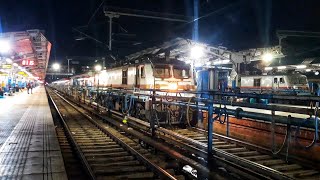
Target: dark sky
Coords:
[[235, 24]]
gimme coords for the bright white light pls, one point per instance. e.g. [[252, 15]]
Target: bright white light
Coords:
[[173, 86], [316, 73], [282, 67], [267, 57], [9, 60], [198, 64], [226, 61], [5, 46], [268, 68], [208, 63], [196, 52], [15, 64], [308, 70], [56, 66], [98, 67], [301, 66], [189, 62]]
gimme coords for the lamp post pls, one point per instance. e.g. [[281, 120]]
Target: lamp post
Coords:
[[55, 67], [98, 69]]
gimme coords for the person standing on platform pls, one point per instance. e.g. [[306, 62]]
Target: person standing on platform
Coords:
[[28, 87], [31, 86]]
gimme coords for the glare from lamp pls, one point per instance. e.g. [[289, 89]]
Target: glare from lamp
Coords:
[[316, 73], [198, 64], [301, 66], [98, 68], [9, 60], [5, 46], [308, 70], [15, 64], [268, 68], [267, 57], [282, 67], [196, 52], [56, 66], [188, 62], [173, 86]]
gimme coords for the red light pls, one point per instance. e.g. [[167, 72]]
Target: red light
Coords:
[[28, 62]]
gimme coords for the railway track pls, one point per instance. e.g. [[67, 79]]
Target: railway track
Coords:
[[236, 157], [107, 153], [71, 162], [244, 152]]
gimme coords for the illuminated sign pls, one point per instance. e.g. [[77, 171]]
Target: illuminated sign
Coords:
[[6, 66], [22, 73], [27, 63]]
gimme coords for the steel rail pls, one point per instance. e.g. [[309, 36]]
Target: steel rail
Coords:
[[73, 141], [161, 172], [159, 146]]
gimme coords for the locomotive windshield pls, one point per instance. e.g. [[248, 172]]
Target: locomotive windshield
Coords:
[[161, 71], [298, 79], [180, 72]]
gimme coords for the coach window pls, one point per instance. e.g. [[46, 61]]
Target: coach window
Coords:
[[125, 76], [281, 80], [275, 80], [142, 72], [256, 82]]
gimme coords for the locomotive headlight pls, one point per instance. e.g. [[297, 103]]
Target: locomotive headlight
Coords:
[[173, 86]]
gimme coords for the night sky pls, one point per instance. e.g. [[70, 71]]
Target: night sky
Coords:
[[235, 24]]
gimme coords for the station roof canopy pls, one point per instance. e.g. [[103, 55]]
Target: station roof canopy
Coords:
[[208, 55], [30, 50], [182, 49]]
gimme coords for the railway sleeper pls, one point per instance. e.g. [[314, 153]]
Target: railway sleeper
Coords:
[[286, 167], [111, 159], [226, 146], [144, 175], [259, 158], [116, 164], [271, 162], [114, 145], [107, 150], [102, 155], [301, 173], [119, 169], [245, 153]]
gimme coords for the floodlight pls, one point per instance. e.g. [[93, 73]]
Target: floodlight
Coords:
[[267, 57], [282, 67], [5, 46], [9, 60], [316, 73], [268, 68], [56, 66], [98, 68], [197, 64], [301, 66], [196, 52]]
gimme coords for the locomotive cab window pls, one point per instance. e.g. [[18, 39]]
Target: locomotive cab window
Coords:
[[256, 82], [282, 80], [275, 80], [161, 71], [181, 72], [142, 72], [125, 76]]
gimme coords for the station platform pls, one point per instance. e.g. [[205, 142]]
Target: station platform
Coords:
[[29, 148]]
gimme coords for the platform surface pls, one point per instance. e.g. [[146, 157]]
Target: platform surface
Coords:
[[29, 146]]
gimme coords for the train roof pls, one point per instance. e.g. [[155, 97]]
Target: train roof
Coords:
[[282, 74]]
